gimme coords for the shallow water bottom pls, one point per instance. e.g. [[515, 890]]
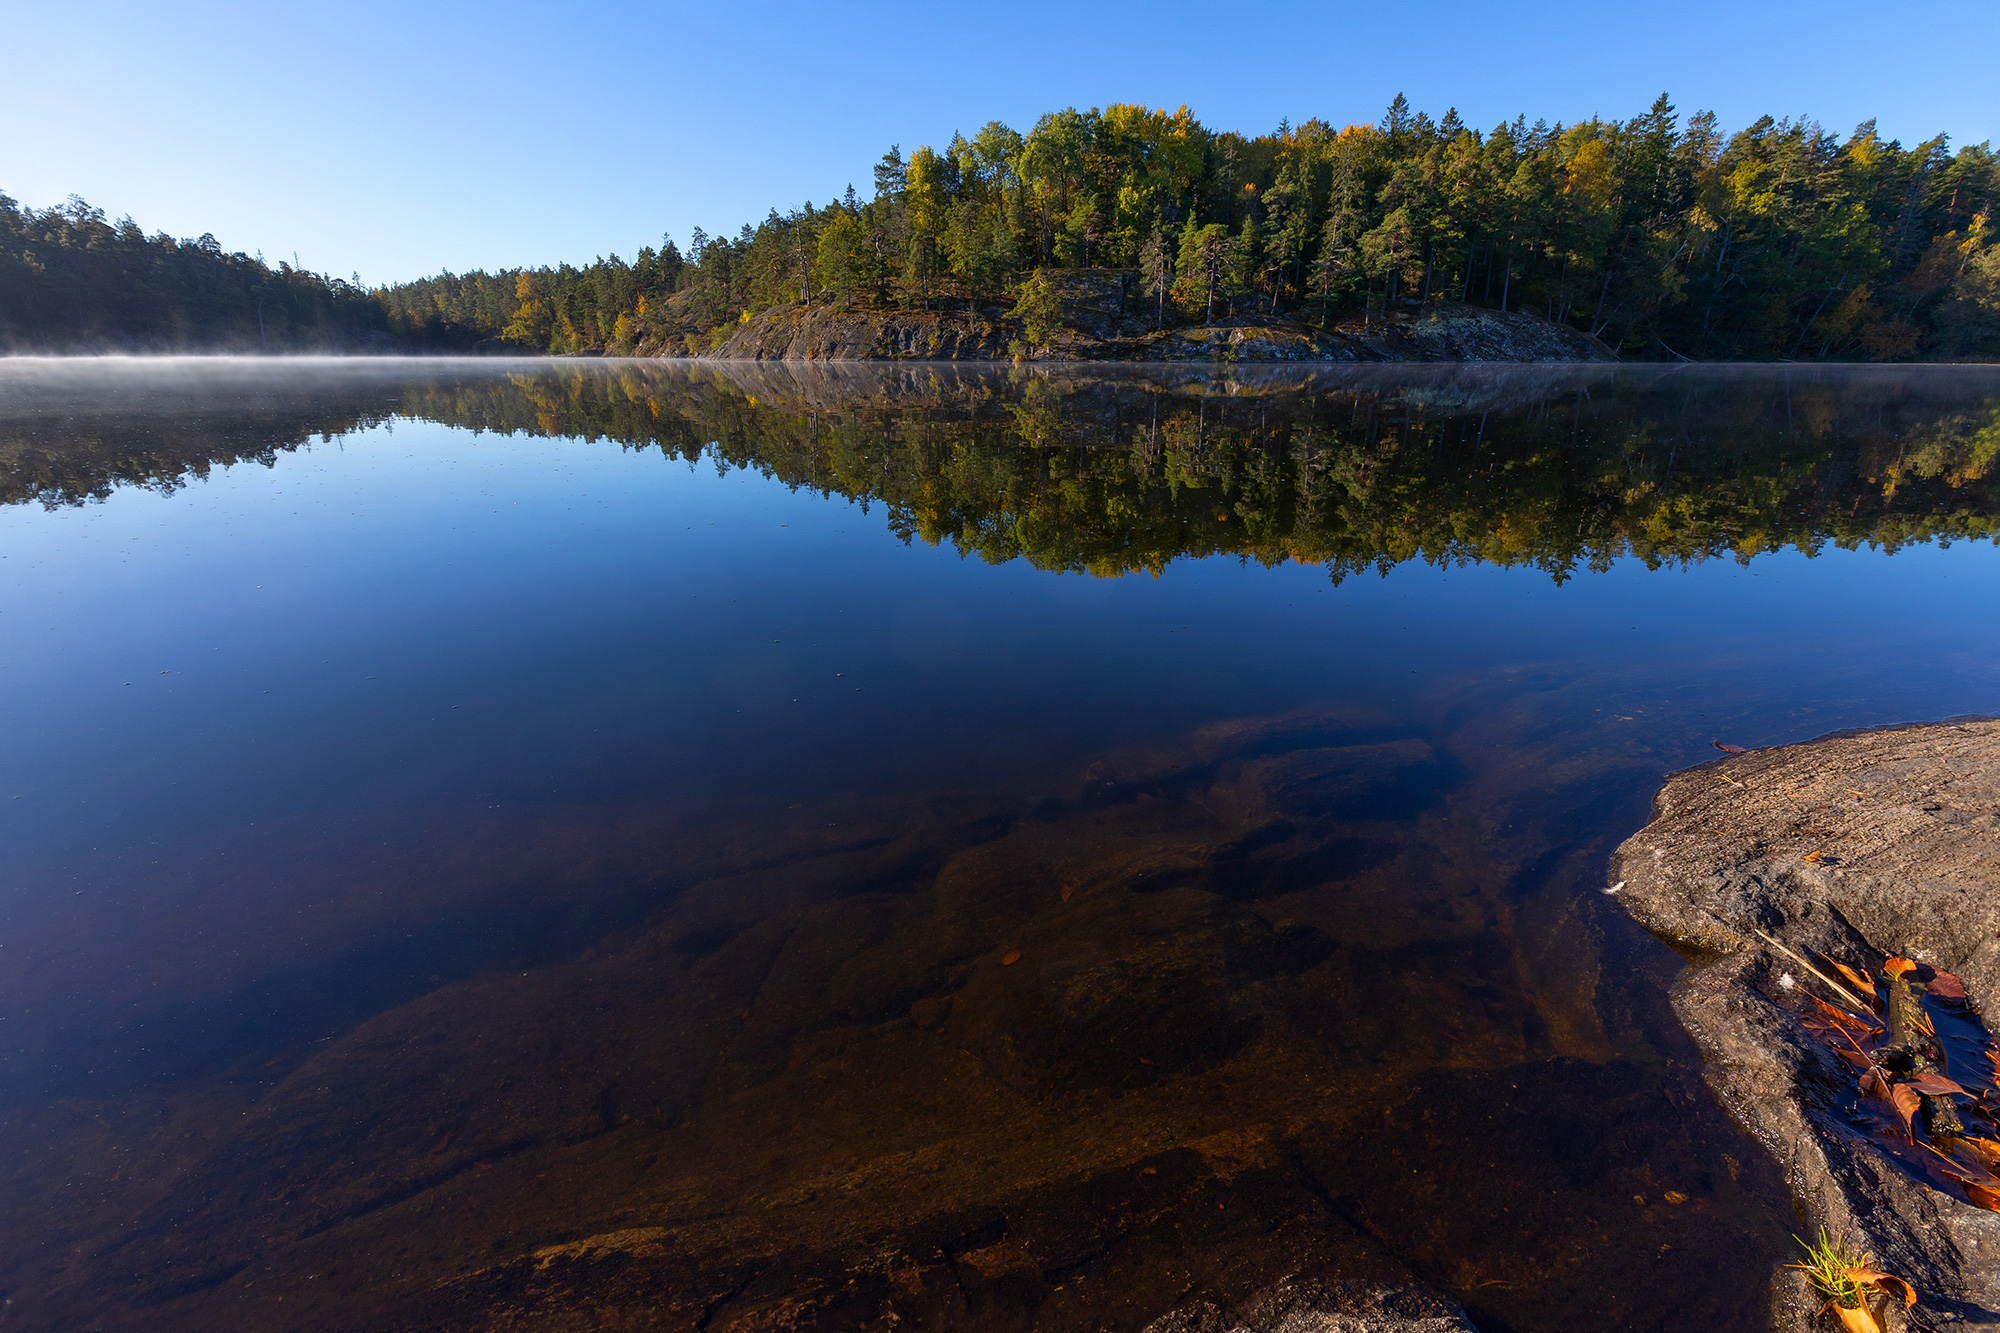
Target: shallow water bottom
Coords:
[[1321, 992]]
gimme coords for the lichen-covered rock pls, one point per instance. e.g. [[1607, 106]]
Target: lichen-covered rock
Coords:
[[1859, 845]]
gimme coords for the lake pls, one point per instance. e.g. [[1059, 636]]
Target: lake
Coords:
[[623, 844]]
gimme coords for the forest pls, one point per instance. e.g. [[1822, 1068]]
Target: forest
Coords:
[[71, 280], [1662, 235]]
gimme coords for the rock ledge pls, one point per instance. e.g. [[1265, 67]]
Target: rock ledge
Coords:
[[1903, 828]]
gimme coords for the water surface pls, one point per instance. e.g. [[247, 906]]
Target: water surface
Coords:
[[625, 844]]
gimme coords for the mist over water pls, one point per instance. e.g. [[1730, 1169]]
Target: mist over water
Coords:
[[458, 809]]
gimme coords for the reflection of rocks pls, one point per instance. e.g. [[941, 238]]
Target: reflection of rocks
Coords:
[[1905, 824]]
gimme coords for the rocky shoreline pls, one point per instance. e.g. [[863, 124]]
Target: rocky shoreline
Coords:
[[1103, 319], [1858, 846]]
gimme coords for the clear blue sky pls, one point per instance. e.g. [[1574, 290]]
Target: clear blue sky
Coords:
[[398, 139]]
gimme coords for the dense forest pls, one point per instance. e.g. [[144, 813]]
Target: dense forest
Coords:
[[1661, 235], [71, 280]]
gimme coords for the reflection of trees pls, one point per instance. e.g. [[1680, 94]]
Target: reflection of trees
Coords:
[[1116, 474]]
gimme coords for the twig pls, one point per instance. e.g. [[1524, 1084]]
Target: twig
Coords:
[[1830, 983]]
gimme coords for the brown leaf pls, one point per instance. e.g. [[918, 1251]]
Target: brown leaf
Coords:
[[1884, 1281], [1986, 1150], [1895, 967], [1860, 979], [1727, 748], [1874, 1083], [1068, 889], [1906, 1100], [1945, 986], [1011, 957], [1932, 1084], [1816, 858], [1988, 1199], [1841, 1019], [1675, 1196]]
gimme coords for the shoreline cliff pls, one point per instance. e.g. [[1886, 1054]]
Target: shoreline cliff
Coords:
[[1100, 318]]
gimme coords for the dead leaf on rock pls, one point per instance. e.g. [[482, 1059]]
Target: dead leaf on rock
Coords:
[[1874, 1083], [1011, 957], [1727, 748], [1884, 1281], [1675, 1196], [1945, 986], [1860, 979]]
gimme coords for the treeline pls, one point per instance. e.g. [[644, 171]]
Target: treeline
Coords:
[[1663, 236], [71, 280]]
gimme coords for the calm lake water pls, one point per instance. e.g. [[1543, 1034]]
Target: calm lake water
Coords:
[[628, 845]]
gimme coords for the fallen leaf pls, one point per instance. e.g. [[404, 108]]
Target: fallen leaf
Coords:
[[1816, 858], [1860, 979], [1970, 1172], [1874, 1083], [1988, 1199], [1934, 1085], [1850, 791], [1906, 1100], [1895, 967], [1885, 1281], [1675, 1196], [1945, 986], [1986, 1150], [1011, 957], [1068, 889], [1727, 748]]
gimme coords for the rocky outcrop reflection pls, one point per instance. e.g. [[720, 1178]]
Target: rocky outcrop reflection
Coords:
[[1115, 472]]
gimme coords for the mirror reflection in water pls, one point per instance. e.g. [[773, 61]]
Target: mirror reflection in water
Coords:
[[605, 844]]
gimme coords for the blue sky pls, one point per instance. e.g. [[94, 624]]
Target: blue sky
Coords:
[[393, 140]]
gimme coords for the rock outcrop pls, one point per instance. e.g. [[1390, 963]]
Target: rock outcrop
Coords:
[[1860, 845], [1104, 319]]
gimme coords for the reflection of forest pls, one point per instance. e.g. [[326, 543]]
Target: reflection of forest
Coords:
[[1117, 473]]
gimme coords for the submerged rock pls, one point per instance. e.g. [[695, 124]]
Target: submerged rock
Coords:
[[1860, 845], [1306, 1306]]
